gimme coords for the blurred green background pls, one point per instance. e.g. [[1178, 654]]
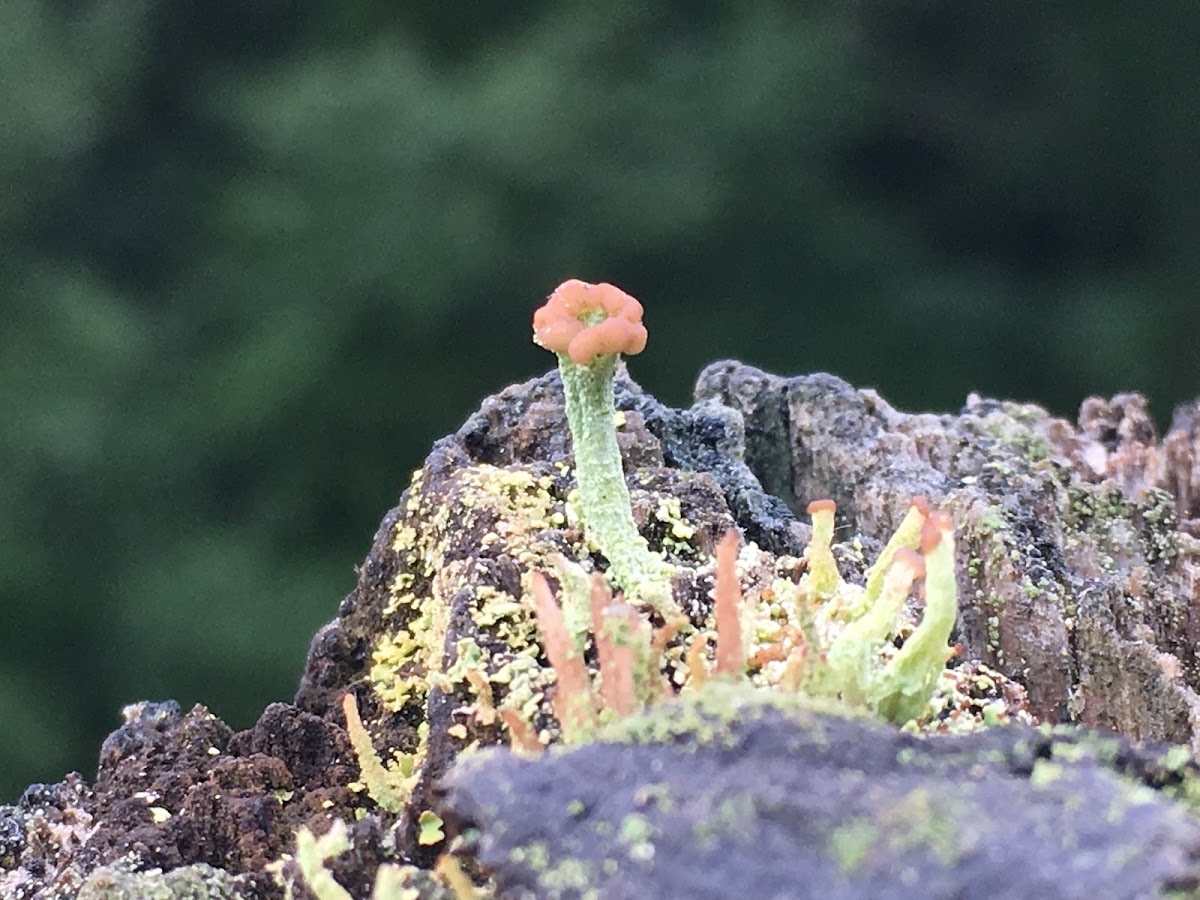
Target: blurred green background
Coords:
[[256, 257]]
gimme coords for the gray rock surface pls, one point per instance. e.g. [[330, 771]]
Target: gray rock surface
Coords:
[[725, 796], [1079, 569]]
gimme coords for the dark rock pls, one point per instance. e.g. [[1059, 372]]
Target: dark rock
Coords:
[[725, 796]]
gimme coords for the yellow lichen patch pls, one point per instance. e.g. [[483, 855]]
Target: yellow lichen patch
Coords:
[[521, 499], [492, 607], [445, 544], [404, 539], [402, 660], [680, 531], [525, 680]]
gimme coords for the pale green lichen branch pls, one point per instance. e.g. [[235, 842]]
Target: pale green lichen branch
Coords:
[[387, 787], [907, 537], [855, 665], [853, 658], [604, 499], [909, 678], [822, 578], [392, 881], [311, 855]]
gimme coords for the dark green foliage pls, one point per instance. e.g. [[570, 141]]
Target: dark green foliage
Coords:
[[256, 257]]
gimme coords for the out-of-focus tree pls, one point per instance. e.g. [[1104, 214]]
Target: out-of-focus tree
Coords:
[[66, 336]]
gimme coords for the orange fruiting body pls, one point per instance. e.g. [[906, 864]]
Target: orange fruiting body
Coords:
[[585, 320]]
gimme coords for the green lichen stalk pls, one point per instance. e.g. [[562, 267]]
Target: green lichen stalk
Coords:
[[603, 497], [907, 536]]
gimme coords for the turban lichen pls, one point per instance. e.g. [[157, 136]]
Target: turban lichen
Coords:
[[588, 326], [583, 321]]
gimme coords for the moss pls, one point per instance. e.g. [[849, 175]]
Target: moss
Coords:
[[731, 821], [918, 822], [637, 834], [852, 843], [194, 882], [703, 717]]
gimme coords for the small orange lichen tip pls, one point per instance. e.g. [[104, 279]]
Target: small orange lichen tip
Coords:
[[938, 524], [612, 625], [909, 560], [586, 320], [730, 655], [573, 697]]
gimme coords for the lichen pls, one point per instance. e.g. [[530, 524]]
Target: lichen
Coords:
[[193, 882], [917, 821], [588, 326], [308, 867], [518, 508], [390, 787]]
